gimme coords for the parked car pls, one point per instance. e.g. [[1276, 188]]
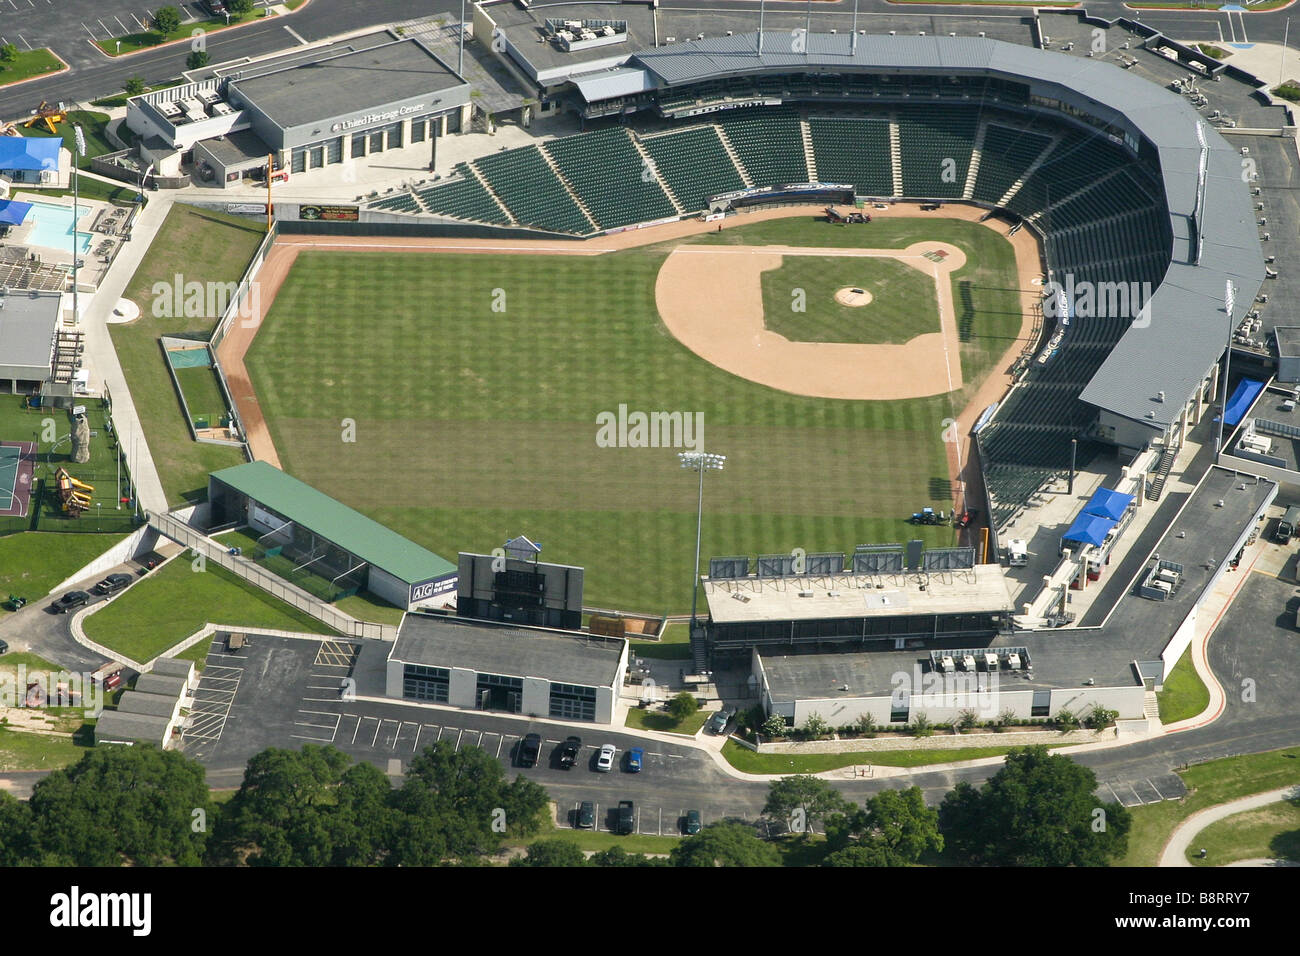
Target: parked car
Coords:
[[586, 819], [626, 817], [112, 584], [4, 648], [216, 7], [529, 748], [569, 751], [634, 758], [69, 601], [718, 722], [605, 761], [691, 825]]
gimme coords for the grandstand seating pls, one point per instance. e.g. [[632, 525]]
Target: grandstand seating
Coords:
[[531, 190], [850, 149], [610, 177], [695, 165], [936, 141], [402, 202], [1005, 157], [770, 144], [463, 199]]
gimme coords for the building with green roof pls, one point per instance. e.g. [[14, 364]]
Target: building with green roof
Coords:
[[326, 537]]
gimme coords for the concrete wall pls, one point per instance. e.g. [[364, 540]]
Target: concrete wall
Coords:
[[958, 741], [139, 541], [537, 697], [389, 588], [463, 688]]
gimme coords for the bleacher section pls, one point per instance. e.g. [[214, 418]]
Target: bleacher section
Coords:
[[936, 145], [1006, 156], [769, 143], [463, 199], [695, 165], [850, 149], [402, 202], [609, 175], [531, 190]]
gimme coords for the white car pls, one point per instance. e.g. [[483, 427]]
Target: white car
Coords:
[[605, 762]]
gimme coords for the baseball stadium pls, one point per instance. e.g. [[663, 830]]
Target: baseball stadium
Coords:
[[693, 252]]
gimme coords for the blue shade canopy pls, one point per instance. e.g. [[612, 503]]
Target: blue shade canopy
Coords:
[[1089, 529], [13, 213], [29, 152], [1108, 504]]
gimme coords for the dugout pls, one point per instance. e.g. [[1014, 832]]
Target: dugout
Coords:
[[321, 544]]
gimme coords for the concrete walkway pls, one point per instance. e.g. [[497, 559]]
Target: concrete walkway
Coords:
[[101, 356], [1175, 851]]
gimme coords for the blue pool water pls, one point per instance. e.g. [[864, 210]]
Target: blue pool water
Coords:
[[53, 228]]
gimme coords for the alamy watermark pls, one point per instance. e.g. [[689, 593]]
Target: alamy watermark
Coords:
[[1097, 300], [636, 429], [197, 300]]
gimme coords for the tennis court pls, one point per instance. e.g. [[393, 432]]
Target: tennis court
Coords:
[[17, 462]]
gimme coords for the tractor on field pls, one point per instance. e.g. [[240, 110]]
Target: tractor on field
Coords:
[[928, 516]]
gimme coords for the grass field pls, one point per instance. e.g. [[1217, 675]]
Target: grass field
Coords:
[[33, 562], [474, 424], [902, 307], [175, 601], [93, 125], [202, 394], [202, 246], [665, 722], [1271, 832], [1208, 784], [746, 761], [1185, 694], [28, 64]]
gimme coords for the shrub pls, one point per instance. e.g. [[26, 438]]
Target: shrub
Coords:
[[683, 705], [921, 726], [1099, 718], [865, 725], [1288, 91], [1066, 720], [775, 726], [968, 720], [816, 727]]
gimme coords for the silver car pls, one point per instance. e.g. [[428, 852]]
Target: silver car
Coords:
[[605, 762]]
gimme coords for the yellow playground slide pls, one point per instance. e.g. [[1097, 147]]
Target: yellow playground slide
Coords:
[[81, 485]]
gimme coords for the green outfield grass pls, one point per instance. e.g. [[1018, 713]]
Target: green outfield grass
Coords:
[[202, 394], [203, 246], [475, 382], [175, 601], [902, 306]]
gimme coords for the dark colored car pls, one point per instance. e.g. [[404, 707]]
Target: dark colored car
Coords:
[[215, 7], [626, 817], [569, 751], [69, 601], [529, 749], [112, 584], [4, 648], [691, 825], [586, 819], [718, 723]]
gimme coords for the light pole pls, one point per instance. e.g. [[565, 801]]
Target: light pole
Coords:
[[701, 462], [1229, 300], [80, 138]]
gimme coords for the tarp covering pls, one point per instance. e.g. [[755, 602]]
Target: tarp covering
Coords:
[[1243, 396], [1108, 504], [1089, 529], [13, 213], [29, 152]]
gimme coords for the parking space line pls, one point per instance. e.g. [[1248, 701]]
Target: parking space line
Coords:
[[500, 744], [377, 726], [357, 730], [458, 736], [416, 744]]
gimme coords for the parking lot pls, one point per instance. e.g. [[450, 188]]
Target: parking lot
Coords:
[[283, 692]]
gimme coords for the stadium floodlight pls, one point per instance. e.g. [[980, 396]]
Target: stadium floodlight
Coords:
[[1229, 301], [699, 461]]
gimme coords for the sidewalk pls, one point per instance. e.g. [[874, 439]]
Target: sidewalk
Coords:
[[1175, 851]]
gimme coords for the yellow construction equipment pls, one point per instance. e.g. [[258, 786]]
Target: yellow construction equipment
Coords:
[[47, 116]]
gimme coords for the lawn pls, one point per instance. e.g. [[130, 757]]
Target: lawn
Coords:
[[663, 721], [101, 471], [23, 751], [799, 300], [365, 606], [33, 562], [1208, 784], [492, 432], [134, 42], [674, 645], [1271, 832], [198, 653], [202, 394], [202, 246], [593, 841], [1185, 694], [27, 64], [746, 761], [175, 601], [93, 125]]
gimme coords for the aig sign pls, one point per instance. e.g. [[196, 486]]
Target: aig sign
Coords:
[[430, 589]]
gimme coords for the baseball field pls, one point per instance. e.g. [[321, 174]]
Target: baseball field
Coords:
[[454, 396]]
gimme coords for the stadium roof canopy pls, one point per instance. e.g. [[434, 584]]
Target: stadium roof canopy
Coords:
[[354, 532], [1182, 331]]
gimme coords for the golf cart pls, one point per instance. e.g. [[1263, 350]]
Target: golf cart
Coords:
[[15, 602]]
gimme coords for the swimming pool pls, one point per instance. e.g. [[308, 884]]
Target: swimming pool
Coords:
[[53, 227]]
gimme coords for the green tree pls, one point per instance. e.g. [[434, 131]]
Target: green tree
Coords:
[[683, 705], [900, 824], [167, 20], [240, 8], [134, 85], [552, 853], [724, 844], [8, 52], [801, 800], [859, 854], [15, 831], [123, 806], [617, 856], [196, 60], [815, 726], [1038, 810], [1099, 718], [774, 726]]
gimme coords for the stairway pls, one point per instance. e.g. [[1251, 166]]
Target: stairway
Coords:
[[1039, 216], [808, 156], [648, 167], [1157, 486], [735, 157], [490, 191], [969, 192], [1033, 168], [896, 156], [699, 653], [568, 187]]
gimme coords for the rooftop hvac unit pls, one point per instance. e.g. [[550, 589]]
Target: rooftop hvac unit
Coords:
[[945, 664], [968, 662], [805, 594], [990, 661], [1013, 661]]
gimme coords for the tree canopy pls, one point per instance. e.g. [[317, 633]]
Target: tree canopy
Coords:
[[724, 844]]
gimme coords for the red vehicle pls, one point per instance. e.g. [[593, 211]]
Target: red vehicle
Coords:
[[966, 517]]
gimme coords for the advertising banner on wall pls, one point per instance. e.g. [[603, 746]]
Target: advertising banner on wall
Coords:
[[329, 213]]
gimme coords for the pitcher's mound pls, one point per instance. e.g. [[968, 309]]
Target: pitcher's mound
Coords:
[[853, 297]]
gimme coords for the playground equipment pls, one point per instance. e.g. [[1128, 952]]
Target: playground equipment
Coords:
[[74, 495], [48, 116]]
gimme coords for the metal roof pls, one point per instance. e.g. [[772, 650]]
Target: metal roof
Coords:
[[368, 540], [27, 322], [118, 727]]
